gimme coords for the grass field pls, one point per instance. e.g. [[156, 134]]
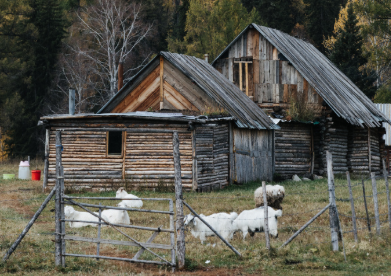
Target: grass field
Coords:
[[310, 253]]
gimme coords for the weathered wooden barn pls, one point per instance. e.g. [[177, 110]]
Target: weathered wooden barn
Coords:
[[235, 144], [277, 71]]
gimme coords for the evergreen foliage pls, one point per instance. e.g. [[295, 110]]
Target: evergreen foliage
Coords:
[[320, 17], [277, 14], [348, 55], [33, 47], [211, 25]]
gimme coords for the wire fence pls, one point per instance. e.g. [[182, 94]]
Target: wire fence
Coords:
[[301, 203]]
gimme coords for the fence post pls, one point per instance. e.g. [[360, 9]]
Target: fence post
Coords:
[[58, 249], [385, 174], [333, 206], [172, 235], [375, 203], [266, 216], [62, 215], [352, 206], [99, 230], [29, 225], [365, 203], [46, 167], [180, 227]]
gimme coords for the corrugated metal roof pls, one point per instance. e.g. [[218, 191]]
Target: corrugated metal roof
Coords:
[[336, 89], [216, 86], [386, 110]]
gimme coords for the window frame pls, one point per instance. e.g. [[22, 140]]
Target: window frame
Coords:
[[123, 144]]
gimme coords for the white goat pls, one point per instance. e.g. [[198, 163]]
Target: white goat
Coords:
[[71, 213], [221, 222], [117, 216], [253, 221], [121, 193], [274, 195]]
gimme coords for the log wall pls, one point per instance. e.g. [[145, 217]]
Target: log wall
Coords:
[[147, 159], [336, 136], [253, 155], [293, 149], [212, 152]]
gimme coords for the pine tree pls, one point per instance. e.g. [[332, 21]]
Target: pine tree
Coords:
[[320, 17], [211, 25], [179, 20], [46, 25], [277, 14], [348, 55]]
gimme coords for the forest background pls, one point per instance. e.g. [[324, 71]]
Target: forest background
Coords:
[[49, 46]]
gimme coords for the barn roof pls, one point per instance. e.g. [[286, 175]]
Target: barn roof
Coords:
[[246, 113], [336, 89]]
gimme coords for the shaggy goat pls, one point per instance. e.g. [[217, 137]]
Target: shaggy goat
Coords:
[[71, 213], [121, 193], [221, 222], [274, 195], [117, 216], [253, 220]]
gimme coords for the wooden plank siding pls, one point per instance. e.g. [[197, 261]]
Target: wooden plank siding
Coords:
[[253, 155], [271, 80], [165, 88]]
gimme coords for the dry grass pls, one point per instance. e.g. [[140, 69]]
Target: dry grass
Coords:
[[307, 255]]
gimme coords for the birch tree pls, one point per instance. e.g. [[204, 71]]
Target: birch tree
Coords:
[[114, 29]]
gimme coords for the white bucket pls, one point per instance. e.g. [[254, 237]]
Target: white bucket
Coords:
[[24, 170]]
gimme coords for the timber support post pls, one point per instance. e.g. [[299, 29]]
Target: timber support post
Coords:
[[375, 202], [266, 216], [58, 243], [180, 227], [385, 174], [334, 223], [365, 204], [46, 165], [352, 206]]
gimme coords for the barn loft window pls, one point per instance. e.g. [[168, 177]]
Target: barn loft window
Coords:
[[243, 74], [114, 143]]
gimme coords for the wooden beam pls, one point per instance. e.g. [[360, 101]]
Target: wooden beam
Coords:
[[246, 68], [240, 77], [161, 81]]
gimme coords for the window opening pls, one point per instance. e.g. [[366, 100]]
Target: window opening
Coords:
[[114, 143]]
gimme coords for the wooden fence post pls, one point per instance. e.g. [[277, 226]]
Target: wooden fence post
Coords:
[[180, 227], [375, 202], [31, 222], [172, 235], [352, 206], [334, 224], [385, 174], [266, 215], [365, 203], [99, 230], [58, 249], [305, 226], [46, 165], [62, 215]]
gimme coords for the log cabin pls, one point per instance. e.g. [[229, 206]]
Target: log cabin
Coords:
[[317, 107], [224, 136]]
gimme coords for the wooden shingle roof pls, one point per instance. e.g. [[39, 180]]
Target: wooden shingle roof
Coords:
[[336, 89], [246, 113]]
